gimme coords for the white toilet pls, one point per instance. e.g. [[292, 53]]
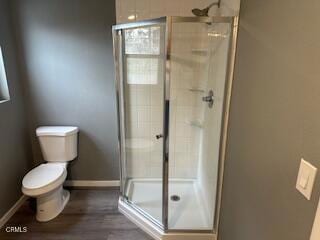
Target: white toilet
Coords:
[[45, 182]]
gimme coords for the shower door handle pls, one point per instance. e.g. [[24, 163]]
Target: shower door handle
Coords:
[[158, 136], [209, 99]]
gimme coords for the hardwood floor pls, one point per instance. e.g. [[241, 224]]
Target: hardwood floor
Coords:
[[90, 214]]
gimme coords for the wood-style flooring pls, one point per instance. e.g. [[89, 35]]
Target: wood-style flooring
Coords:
[[89, 215]]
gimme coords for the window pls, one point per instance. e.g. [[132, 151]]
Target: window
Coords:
[[4, 91], [143, 51]]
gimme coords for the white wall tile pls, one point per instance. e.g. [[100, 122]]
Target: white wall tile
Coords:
[[131, 94], [144, 113], [183, 130], [156, 128], [182, 144], [144, 9], [143, 96], [156, 96], [128, 5], [144, 130], [156, 114], [142, 5], [132, 114], [142, 15], [157, 6], [184, 114]]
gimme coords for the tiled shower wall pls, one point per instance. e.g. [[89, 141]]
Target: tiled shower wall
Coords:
[[136, 10], [187, 86]]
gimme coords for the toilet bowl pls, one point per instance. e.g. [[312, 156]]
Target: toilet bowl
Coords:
[[45, 182]]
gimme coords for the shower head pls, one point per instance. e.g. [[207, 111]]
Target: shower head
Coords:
[[204, 12]]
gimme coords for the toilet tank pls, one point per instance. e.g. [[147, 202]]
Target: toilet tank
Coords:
[[58, 143]]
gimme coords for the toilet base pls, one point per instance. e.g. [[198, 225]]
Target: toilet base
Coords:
[[50, 205]]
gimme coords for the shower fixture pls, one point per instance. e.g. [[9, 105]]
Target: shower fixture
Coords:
[[204, 12]]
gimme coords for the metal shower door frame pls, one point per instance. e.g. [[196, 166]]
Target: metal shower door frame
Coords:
[[118, 44], [119, 57]]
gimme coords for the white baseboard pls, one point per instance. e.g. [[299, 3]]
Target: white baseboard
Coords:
[[4, 219], [88, 183]]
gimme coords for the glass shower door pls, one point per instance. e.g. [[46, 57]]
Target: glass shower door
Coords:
[[199, 56], [142, 105]]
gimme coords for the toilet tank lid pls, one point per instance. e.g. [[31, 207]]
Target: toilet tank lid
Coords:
[[56, 130]]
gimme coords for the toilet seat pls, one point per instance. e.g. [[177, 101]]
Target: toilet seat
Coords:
[[44, 178]]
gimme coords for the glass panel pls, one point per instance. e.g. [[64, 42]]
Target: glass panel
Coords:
[[142, 47], [142, 70], [144, 40], [143, 98], [199, 60]]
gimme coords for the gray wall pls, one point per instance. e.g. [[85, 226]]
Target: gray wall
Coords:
[[66, 51], [275, 120], [15, 149]]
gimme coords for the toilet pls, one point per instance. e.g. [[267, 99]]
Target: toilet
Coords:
[[59, 145]]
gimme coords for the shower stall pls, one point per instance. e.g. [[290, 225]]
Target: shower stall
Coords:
[[173, 82]]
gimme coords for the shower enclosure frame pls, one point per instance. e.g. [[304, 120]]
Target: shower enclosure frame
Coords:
[[118, 44]]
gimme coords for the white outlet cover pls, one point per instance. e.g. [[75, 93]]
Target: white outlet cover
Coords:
[[306, 176]]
